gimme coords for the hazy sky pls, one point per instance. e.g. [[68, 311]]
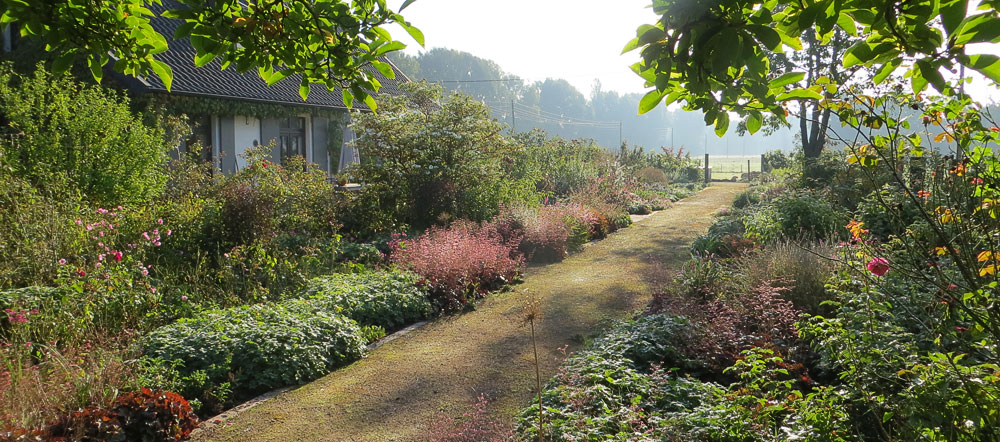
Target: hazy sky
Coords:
[[576, 40]]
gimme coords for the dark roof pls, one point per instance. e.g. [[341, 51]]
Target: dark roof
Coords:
[[211, 81]]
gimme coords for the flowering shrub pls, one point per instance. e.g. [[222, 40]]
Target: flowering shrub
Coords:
[[459, 263]]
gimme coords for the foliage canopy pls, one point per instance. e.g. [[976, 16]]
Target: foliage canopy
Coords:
[[712, 56], [328, 42]]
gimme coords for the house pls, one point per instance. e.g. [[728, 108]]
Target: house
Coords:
[[231, 112]]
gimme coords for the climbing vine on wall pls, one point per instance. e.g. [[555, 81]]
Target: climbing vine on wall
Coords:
[[191, 105]]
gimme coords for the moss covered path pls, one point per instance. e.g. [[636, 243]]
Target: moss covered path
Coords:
[[403, 387]]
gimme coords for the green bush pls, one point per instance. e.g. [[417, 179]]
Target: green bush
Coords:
[[253, 349], [619, 387], [430, 161], [808, 215], [387, 299], [60, 128]]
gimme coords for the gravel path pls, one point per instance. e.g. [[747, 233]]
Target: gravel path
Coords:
[[403, 387]]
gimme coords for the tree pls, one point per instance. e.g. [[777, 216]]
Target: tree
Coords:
[[327, 42], [713, 55]]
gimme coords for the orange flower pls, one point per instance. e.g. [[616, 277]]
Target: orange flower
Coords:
[[923, 194], [857, 229]]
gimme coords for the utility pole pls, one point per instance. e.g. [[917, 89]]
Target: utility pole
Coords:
[[513, 120]]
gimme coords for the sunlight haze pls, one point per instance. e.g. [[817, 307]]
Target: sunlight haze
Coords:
[[579, 41]]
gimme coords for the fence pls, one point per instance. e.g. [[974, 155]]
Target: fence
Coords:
[[732, 167]]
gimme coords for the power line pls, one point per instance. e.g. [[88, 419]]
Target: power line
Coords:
[[478, 81]]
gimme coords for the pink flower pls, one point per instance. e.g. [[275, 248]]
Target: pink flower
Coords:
[[62, 261], [878, 266], [145, 272], [145, 235], [169, 232], [27, 344], [79, 222], [90, 227], [117, 255], [81, 272], [184, 298], [160, 221]]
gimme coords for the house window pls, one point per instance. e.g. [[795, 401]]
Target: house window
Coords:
[[292, 137]]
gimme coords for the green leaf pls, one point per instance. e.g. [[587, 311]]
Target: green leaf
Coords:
[[304, 91], [886, 70], [183, 30], [95, 65], [860, 53], [753, 122], [766, 36], [417, 35], [348, 98], [389, 47], [203, 59], [650, 101], [405, 4], [979, 28], [721, 124], [370, 102], [931, 74], [799, 94], [384, 68], [986, 64], [846, 22], [787, 79], [163, 71], [63, 62], [632, 45], [952, 14], [277, 76]]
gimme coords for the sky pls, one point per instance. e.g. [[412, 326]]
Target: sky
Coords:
[[576, 40]]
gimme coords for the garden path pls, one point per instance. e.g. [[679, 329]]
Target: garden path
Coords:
[[401, 389]]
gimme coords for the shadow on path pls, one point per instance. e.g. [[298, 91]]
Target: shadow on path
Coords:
[[400, 389]]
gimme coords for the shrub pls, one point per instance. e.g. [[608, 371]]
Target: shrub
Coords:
[[806, 214], [460, 263], [387, 299], [137, 416], [545, 235], [38, 229], [254, 349], [650, 175], [801, 270], [83, 133], [432, 161]]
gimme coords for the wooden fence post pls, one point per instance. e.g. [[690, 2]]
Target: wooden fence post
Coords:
[[708, 172]]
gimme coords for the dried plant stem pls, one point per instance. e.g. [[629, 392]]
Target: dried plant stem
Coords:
[[538, 380]]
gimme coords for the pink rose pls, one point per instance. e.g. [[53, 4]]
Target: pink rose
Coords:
[[878, 266]]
